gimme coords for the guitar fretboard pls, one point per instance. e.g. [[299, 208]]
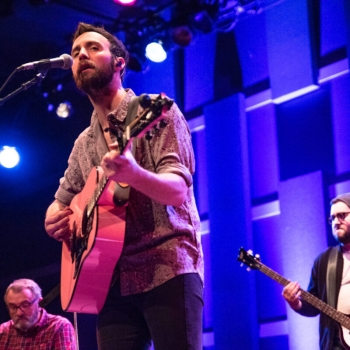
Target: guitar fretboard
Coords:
[[336, 315], [96, 195]]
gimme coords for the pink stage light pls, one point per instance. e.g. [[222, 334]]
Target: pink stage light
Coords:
[[125, 2]]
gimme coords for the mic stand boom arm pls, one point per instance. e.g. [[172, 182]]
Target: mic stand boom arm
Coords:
[[25, 86]]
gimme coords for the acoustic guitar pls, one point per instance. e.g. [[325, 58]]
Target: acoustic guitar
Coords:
[[97, 224]]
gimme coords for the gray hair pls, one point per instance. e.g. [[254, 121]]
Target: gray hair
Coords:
[[23, 283]]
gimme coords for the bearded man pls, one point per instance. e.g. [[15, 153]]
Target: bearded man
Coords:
[[330, 279], [156, 293], [31, 327]]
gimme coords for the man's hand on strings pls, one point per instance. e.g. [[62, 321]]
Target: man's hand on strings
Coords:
[[120, 167], [291, 292]]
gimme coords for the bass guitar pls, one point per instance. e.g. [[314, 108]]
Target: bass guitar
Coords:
[[342, 320], [97, 224]]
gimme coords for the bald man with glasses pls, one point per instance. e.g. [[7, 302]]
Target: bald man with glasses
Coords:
[[330, 279], [31, 327]]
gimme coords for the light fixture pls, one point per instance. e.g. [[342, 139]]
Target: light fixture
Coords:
[[182, 36], [203, 22], [155, 52], [9, 157], [64, 110], [125, 2], [175, 25]]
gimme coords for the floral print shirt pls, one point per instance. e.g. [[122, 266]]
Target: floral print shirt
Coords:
[[161, 241]]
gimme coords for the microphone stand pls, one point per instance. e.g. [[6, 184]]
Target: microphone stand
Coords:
[[25, 86]]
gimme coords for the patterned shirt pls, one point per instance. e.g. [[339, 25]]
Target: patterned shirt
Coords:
[[52, 332], [161, 241]]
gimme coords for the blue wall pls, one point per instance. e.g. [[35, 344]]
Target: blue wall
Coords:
[[269, 157]]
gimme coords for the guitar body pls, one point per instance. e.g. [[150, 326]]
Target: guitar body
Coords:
[[98, 224], [88, 261]]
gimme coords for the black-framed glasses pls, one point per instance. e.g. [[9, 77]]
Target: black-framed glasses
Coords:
[[339, 216], [24, 305]]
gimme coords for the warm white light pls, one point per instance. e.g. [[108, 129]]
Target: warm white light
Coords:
[[155, 52], [9, 157], [64, 109]]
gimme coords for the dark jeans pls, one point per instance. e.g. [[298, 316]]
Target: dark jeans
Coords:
[[170, 315]]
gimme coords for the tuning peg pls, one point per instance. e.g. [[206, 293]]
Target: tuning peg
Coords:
[[145, 101], [249, 251], [163, 123], [149, 135], [156, 127], [248, 268]]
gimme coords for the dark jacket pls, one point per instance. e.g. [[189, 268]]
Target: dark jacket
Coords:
[[318, 288]]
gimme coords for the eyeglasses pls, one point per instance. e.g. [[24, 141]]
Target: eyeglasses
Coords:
[[339, 216], [24, 306]]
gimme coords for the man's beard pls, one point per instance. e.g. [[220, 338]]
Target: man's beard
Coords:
[[97, 83], [345, 237], [24, 323]]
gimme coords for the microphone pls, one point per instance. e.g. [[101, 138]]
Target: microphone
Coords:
[[65, 61]]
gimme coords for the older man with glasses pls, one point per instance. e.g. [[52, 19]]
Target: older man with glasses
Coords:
[[31, 327], [330, 280]]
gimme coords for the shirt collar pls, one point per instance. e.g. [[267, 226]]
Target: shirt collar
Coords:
[[120, 112]]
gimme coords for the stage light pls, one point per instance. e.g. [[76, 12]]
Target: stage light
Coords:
[[64, 110], [9, 157], [182, 36], [137, 63], [155, 52], [125, 2], [203, 22]]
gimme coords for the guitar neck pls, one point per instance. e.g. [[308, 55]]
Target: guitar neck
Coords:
[[96, 194], [338, 316]]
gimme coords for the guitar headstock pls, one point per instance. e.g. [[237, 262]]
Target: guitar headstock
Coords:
[[151, 117], [247, 258]]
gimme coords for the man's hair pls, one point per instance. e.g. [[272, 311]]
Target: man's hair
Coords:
[[23, 283], [344, 197], [116, 48]]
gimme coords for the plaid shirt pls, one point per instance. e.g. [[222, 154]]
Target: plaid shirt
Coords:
[[52, 332]]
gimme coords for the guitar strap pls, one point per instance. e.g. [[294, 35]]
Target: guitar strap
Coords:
[[50, 296], [121, 193], [331, 276]]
